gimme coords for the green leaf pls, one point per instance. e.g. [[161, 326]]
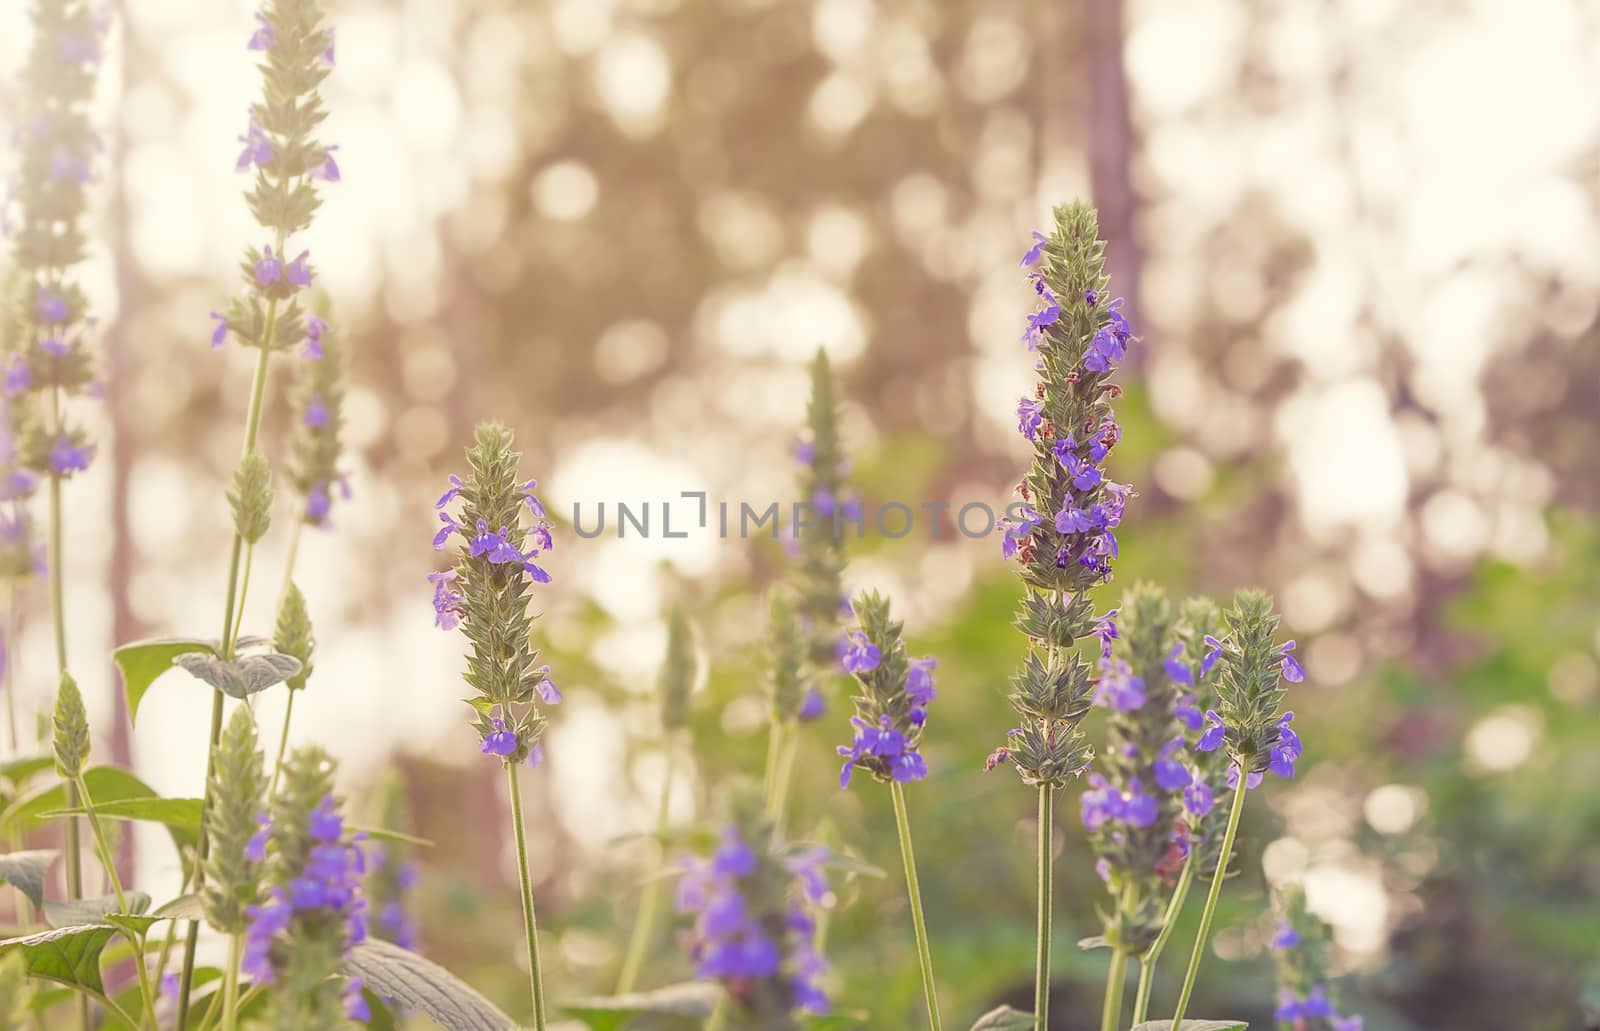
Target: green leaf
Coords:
[[143, 662], [423, 985], [68, 955], [385, 834], [184, 907], [1193, 1025], [1004, 1018], [693, 1000], [173, 812], [1097, 942], [26, 872], [107, 785], [77, 912], [18, 771], [241, 677]]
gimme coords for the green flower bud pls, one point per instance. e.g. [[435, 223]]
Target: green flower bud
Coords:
[[677, 672], [786, 654], [238, 787], [292, 635], [71, 730], [250, 497]]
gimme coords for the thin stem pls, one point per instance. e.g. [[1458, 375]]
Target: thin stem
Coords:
[[1117, 976], [785, 778], [774, 746], [1041, 977], [1147, 962], [719, 1014], [1211, 897], [648, 905], [103, 847], [283, 745], [244, 589], [288, 708], [530, 923], [924, 957], [252, 427], [230, 986], [13, 631]]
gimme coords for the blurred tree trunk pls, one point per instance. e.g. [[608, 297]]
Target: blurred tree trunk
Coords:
[[1110, 146]]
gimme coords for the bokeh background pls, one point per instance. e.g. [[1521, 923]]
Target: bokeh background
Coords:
[[1359, 238]]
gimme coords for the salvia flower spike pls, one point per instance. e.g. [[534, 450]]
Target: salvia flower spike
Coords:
[[1299, 956], [1246, 726], [832, 507], [677, 673], [488, 592], [1062, 529], [313, 910], [315, 439], [233, 868], [754, 907]]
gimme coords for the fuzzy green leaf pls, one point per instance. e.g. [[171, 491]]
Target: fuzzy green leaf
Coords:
[[68, 955], [242, 677], [78, 912], [26, 872], [143, 662], [173, 812], [693, 1000], [1004, 1018], [107, 785], [420, 984], [1193, 1025], [19, 771]]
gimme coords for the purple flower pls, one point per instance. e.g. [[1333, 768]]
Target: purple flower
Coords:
[[1287, 750], [1352, 1023], [315, 327], [1169, 773], [255, 850], [1073, 520], [1177, 671], [269, 269], [265, 36], [812, 706], [1015, 532], [50, 307], [1090, 297], [861, 656], [297, 272], [328, 171], [19, 376], [547, 687], [919, 681], [219, 332], [316, 414], [1251, 782], [1139, 810], [1106, 630], [908, 766], [1293, 672], [1119, 690], [1047, 316], [1085, 475], [318, 504], [355, 1003], [804, 451], [446, 600], [1287, 937], [67, 457], [1100, 805], [535, 508], [1215, 733], [456, 487], [1106, 349], [1197, 798], [1030, 416], [1213, 653], [1188, 713], [500, 741], [1032, 255], [67, 166], [325, 824], [496, 547], [257, 148], [733, 858]]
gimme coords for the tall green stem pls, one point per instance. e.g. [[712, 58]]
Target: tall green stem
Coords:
[[252, 427], [785, 778], [1041, 975], [13, 631], [924, 957], [103, 847], [1147, 962], [529, 922], [230, 986], [288, 707], [643, 927], [1211, 898], [1117, 976]]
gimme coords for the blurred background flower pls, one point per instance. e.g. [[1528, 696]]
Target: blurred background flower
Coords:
[[1360, 239]]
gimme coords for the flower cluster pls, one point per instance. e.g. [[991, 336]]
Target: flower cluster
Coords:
[[1249, 727], [281, 148], [819, 539], [1142, 786], [891, 707], [487, 592], [1062, 531], [317, 402], [754, 924], [1211, 776], [48, 329], [390, 879], [313, 910], [1299, 948]]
